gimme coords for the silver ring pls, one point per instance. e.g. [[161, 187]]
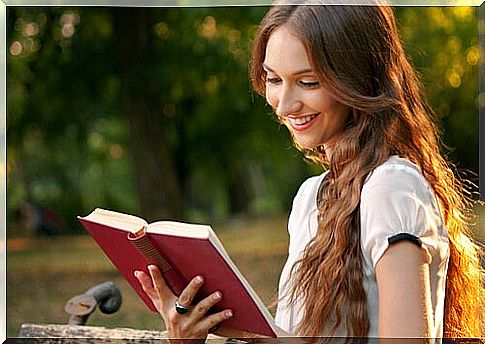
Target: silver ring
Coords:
[[181, 309]]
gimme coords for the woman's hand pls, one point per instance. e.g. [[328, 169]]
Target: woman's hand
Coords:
[[195, 324]]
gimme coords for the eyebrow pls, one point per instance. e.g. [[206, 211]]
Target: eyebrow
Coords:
[[303, 71]]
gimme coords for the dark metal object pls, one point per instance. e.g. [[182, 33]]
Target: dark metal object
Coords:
[[105, 295], [181, 309]]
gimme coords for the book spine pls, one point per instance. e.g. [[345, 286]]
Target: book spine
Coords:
[[143, 244]]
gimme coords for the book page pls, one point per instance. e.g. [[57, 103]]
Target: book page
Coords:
[[114, 219], [214, 239], [182, 229]]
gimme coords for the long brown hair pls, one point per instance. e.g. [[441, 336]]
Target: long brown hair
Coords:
[[358, 56]]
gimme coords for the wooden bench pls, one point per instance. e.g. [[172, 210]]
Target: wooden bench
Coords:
[[50, 333]]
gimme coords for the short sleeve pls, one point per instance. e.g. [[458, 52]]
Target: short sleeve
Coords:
[[397, 203]]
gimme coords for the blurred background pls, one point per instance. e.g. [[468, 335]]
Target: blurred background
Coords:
[[149, 111]]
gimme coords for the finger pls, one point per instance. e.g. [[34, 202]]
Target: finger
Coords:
[[201, 309], [146, 284], [159, 284], [215, 319], [188, 294]]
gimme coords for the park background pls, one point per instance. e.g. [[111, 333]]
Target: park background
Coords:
[[150, 111]]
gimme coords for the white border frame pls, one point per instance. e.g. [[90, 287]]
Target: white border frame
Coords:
[[166, 3]]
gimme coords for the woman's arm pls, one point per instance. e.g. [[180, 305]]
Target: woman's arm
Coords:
[[405, 308]]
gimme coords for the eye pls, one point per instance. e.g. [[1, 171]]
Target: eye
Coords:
[[273, 80], [309, 84]]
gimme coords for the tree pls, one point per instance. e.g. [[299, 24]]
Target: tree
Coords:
[[150, 111], [159, 190]]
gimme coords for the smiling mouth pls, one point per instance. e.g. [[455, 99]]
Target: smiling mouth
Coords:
[[302, 120]]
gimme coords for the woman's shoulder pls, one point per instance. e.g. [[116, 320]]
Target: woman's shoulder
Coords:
[[305, 200], [308, 189], [398, 202], [397, 174], [396, 164]]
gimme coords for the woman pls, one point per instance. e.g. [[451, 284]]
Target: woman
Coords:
[[379, 245]]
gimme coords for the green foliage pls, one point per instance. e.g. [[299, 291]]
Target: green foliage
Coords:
[[69, 141], [445, 53]]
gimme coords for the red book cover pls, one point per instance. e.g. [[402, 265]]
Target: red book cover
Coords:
[[188, 253]]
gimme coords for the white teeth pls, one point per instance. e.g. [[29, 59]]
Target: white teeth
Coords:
[[302, 120]]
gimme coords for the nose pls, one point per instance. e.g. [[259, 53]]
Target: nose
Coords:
[[288, 101]]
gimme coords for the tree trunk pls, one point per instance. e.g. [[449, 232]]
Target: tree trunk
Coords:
[[159, 189], [239, 189]]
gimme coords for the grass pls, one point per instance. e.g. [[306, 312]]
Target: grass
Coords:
[[42, 274]]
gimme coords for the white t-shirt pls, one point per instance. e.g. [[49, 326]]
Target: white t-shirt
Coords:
[[395, 199]]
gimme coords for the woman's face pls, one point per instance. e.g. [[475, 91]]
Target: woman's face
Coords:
[[296, 95]]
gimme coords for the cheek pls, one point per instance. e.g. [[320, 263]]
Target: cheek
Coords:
[[271, 98], [323, 101], [333, 107]]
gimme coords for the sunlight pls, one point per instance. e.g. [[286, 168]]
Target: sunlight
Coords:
[[473, 55], [31, 29], [16, 48], [208, 28], [454, 79], [68, 22], [161, 30], [116, 151], [68, 30], [454, 44], [439, 19], [463, 12], [95, 140]]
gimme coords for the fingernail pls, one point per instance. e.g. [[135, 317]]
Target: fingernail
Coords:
[[217, 295], [151, 267], [199, 280], [228, 313], [136, 273]]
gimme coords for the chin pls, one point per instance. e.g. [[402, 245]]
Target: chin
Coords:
[[308, 144]]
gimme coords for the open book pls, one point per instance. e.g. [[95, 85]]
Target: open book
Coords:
[[181, 251]]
